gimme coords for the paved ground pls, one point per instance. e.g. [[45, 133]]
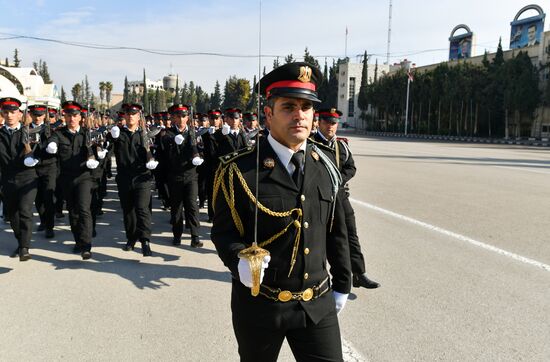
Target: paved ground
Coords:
[[458, 235]]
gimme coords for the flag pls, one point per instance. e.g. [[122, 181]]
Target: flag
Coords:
[[410, 75]]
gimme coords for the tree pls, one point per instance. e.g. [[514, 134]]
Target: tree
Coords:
[[88, 95], [63, 95], [102, 86], [75, 91], [236, 93], [108, 91], [126, 94], [7, 63], [253, 99], [177, 92], [362, 100], [216, 98], [499, 56], [289, 59], [276, 63], [308, 58], [145, 95], [16, 60]]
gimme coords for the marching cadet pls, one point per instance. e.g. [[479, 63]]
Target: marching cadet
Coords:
[[250, 121], [300, 224], [46, 170], [19, 177], [326, 134], [76, 162], [134, 164], [202, 170], [230, 137], [211, 161], [183, 158]]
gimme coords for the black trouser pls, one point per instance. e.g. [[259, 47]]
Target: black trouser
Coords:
[[44, 201], [356, 256], [78, 193], [210, 191], [161, 184], [19, 195], [183, 203], [135, 198], [59, 195], [202, 172], [102, 191], [95, 205], [308, 341]]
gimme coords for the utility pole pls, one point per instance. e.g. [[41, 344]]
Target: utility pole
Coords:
[[389, 36]]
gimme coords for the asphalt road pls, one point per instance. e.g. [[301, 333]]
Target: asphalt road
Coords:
[[457, 234]]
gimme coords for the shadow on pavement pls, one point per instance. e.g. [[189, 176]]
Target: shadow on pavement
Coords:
[[5, 270]]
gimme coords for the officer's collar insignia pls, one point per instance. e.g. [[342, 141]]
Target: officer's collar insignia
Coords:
[[315, 155], [305, 74], [269, 163]]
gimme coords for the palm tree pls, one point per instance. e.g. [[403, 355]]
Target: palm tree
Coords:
[[101, 91], [108, 90]]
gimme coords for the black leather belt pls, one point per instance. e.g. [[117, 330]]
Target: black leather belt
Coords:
[[284, 296]]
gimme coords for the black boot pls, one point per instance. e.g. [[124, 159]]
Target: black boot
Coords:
[[41, 227], [146, 248], [195, 242], [361, 280], [129, 245], [176, 240], [50, 234], [24, 254]]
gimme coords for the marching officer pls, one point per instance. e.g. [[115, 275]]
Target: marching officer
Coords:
[[134, 165], [76, 162], [326, 134], [18, 175], [230, 137], [183, 158], [300, 223], [210, 152], [46, 170]]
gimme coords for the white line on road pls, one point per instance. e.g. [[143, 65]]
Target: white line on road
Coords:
[[455, 235], [524, 169], [350, 353]]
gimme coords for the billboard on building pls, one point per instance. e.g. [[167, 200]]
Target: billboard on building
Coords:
[[461, 46], [527, 32]]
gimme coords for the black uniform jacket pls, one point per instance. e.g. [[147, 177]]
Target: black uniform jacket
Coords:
[[72, 152], [278, 192], [228, 143], [179, 157], [345, 163], [12, 156], [48, 162], [131, 156]]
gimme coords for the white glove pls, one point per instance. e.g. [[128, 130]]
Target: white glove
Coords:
[[115, 132], [225, 129], [197, 161], [245, 274], [101, 154], [30, 161], [52, 148], [340, 300], [92, 164], [211, 130], [179, 139], [152, 164]]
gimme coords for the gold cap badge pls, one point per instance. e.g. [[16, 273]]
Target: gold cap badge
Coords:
[[305, 74], [269, 163], [333, 110]]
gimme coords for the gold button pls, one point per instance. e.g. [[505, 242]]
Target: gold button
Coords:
[[306, 275], [306, 225], [306, 251], [303, 198]]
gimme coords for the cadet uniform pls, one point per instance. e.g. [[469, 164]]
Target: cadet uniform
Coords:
[[234, 139], [47, 173], [346, 166], [134, 180], [183, 158], [19, 178], [76, 163], [300, 222]]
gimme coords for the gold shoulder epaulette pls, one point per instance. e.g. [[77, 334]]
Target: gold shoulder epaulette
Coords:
[[320, 145], [230, 157]]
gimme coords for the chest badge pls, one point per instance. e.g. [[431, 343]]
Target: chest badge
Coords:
[[315, 155], [269, 162]]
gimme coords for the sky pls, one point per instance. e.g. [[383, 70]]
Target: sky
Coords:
[[419, 32]]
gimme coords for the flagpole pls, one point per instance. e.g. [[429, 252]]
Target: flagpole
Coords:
[[346, 48], [407, 106]]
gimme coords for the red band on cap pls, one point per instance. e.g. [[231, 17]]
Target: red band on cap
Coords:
[[70, 106], [328, 114], [179, 109], [291, 84], [10, 103], [39, 109]]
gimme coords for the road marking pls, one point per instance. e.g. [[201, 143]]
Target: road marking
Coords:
[[480, 244]]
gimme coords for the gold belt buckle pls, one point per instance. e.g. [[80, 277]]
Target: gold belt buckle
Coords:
[[307, 294], [284, 296]]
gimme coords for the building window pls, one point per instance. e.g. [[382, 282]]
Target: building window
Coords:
[[351, 99]]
